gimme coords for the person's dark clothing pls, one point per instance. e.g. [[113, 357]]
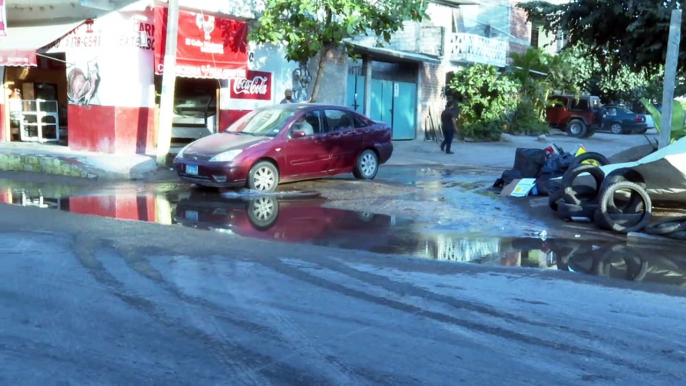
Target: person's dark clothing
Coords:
[[448, 127], [286, 101]]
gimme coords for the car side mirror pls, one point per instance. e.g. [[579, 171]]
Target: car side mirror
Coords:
[[298, 134]]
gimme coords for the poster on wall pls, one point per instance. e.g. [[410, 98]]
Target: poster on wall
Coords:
[[256, 85], [3, 18], [208, 47]]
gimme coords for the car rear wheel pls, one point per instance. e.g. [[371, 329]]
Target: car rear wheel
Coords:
[[616, 128], [263, 177], [576, 128], [367, 165]]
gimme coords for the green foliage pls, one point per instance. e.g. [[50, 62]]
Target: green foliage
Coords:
[[485, 98], [539, 75], [678, 129], [618, 33], [621, 44], [527, 121], [311, 27]]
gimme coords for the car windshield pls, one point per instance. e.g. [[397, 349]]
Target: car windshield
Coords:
[[263, 123]]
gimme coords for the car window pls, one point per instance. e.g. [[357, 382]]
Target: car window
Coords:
[[558, 102], [338, 120], [359, 121], [267, 122], [581, 104], [310, 123]]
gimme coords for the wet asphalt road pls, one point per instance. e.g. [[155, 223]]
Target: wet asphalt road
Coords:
[[89, 300]]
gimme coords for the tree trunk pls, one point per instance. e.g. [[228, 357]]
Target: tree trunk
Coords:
[[320, 74]]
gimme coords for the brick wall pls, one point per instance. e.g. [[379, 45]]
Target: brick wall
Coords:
[[431, 83]]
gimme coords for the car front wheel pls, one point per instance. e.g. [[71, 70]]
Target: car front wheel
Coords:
[[616, 128], [263, 177], [367, 165]]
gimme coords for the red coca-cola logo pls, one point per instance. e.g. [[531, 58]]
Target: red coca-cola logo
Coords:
[[256, 85]]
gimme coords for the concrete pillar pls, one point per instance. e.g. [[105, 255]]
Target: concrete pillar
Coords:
[[367, 64]]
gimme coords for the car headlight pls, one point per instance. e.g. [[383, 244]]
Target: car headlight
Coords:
[[226, 156], [180, 154]]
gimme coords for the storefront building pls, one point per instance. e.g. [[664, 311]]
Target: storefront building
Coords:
[[94, 84]]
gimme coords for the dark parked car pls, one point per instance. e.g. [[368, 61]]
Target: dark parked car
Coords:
[[621, 120], [285, 143]]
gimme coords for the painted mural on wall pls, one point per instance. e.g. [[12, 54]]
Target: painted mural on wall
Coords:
[[301, 79], [110, 60], [82, 83]]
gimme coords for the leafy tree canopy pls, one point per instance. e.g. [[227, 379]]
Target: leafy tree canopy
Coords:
[[617, 33], [311, 27]]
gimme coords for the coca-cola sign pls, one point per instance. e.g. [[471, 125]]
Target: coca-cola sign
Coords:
[[256, 85]]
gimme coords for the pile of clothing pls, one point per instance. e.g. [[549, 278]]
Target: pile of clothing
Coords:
[[542, 164]]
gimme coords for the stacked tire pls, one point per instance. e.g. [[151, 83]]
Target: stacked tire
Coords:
[[631, 213]]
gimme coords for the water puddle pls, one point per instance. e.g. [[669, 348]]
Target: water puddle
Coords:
[[304, 219]]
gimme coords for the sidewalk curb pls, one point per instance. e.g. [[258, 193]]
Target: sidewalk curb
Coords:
[[67, 167]]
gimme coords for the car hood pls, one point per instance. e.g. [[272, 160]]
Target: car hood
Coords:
[[219, 143]]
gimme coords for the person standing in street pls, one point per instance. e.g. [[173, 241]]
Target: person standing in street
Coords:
[[449, 125]]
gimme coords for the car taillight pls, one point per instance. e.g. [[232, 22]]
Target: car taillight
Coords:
[[639, 119]]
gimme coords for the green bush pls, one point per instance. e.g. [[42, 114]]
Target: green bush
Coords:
[[485, 98], [527, 120]]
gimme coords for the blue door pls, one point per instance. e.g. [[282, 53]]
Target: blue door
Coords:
[[382, 101], [404, 110], [355, 98]]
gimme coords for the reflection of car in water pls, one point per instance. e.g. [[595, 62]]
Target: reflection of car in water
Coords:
[[289, 220]]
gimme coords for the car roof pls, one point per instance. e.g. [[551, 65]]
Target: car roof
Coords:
[[304, 106]]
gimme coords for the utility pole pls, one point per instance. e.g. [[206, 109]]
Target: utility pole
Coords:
[[670, 78], [168, 82]]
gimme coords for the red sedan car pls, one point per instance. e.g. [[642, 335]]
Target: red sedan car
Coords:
[[286, 143]]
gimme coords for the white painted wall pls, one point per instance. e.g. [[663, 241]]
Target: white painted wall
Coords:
[[124, 68], [266, 58]]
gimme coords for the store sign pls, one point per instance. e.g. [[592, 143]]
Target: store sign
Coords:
[[3, 18], [207, 46], [256, 85]]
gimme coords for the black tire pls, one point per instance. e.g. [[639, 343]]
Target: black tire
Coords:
[[616, 128], [605, 219], [569, 194], [260, 176], [367, 165], [576, 128], [568, 211], [619, 218], [589, 156], [589, 132], [621, 175], [667, 225], [263, 212], [677, 235]]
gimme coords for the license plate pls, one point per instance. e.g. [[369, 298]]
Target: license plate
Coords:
[[191, 215], [192, 170]]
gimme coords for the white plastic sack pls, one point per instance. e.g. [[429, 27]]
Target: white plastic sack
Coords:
[[664, 172]]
